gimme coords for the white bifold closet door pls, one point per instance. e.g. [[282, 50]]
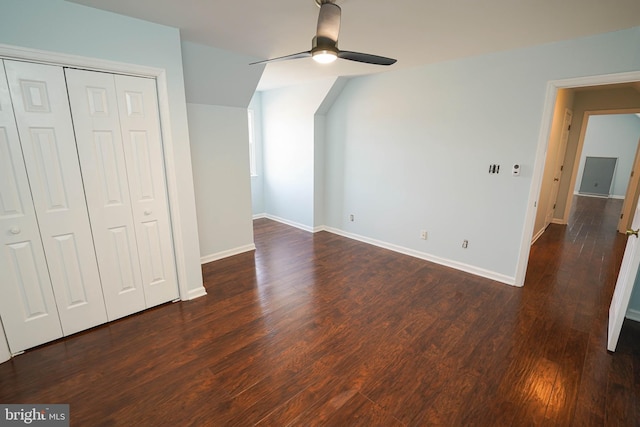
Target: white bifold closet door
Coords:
[[41, 109], [84, 215], [28, 307], [120, 149]]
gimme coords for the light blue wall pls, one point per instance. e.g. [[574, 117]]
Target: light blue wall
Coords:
[[220, 155], [612, 136], [257, 181], [62, 27], [219, 86], [218, 77], [289, 151], [409, 150], [319, 127]]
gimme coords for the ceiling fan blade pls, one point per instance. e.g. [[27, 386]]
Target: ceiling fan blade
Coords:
[[306, 54], [329, 22], [366, 58]]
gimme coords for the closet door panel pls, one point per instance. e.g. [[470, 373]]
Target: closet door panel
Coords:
[[27, 304], [44, 124], [139, 120], [97, 127]]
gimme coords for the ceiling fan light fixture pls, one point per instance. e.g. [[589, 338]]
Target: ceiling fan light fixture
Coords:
[[324, 56], [324, 45]]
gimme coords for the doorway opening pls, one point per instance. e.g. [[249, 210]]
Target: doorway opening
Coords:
[[611, 93], [611, 121], [605, 164], [579, 184]]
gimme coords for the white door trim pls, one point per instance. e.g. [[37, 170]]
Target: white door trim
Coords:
[[631, 195], [543, 139], [94, 64], [5, 354]]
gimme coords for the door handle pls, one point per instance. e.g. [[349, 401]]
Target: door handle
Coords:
[[633, 232], [15, 230], [556, 179]]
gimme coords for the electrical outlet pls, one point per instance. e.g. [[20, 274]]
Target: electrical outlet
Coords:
[[465, 244], [423, 234], [352, 218]]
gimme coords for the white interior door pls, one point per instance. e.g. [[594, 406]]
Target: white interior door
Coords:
[[41, 108], [558, 166], [138, 108], [27, 303], [624, 284], [97, 127], [631, 195]]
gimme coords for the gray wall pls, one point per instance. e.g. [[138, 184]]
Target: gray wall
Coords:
[[613, 136]]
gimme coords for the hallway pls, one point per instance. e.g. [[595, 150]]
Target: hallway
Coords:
[[571, 277]]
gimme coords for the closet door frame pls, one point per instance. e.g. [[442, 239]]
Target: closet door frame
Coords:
[[159, 74]]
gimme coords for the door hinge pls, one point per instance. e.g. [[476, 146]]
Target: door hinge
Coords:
[[631, 174], [561, 168], [554, 206], [569, 128], [621, 215]]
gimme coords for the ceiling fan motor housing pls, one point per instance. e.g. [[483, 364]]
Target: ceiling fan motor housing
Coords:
[[323, 45]]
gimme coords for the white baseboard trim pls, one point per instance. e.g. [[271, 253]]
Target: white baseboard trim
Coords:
[[541, 232], [195, 293], [224, 254], [290, 223], [597, 196], [406, 251], [260, 215], [427, 257], [5, 353], [633, 315], [537, 236]]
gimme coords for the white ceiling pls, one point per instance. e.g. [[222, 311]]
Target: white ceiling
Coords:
[[415, 32]]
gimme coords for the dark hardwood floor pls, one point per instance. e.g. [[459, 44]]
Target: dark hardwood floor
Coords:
[[317, 329]]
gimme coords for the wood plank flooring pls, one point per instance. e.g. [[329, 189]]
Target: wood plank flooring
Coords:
[[317, 329]]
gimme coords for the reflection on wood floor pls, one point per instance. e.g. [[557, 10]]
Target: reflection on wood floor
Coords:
[[317, 329]]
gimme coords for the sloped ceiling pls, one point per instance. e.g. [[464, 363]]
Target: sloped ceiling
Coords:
[[415, 32]]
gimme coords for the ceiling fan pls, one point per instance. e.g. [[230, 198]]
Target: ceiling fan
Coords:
[[324, 46]]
